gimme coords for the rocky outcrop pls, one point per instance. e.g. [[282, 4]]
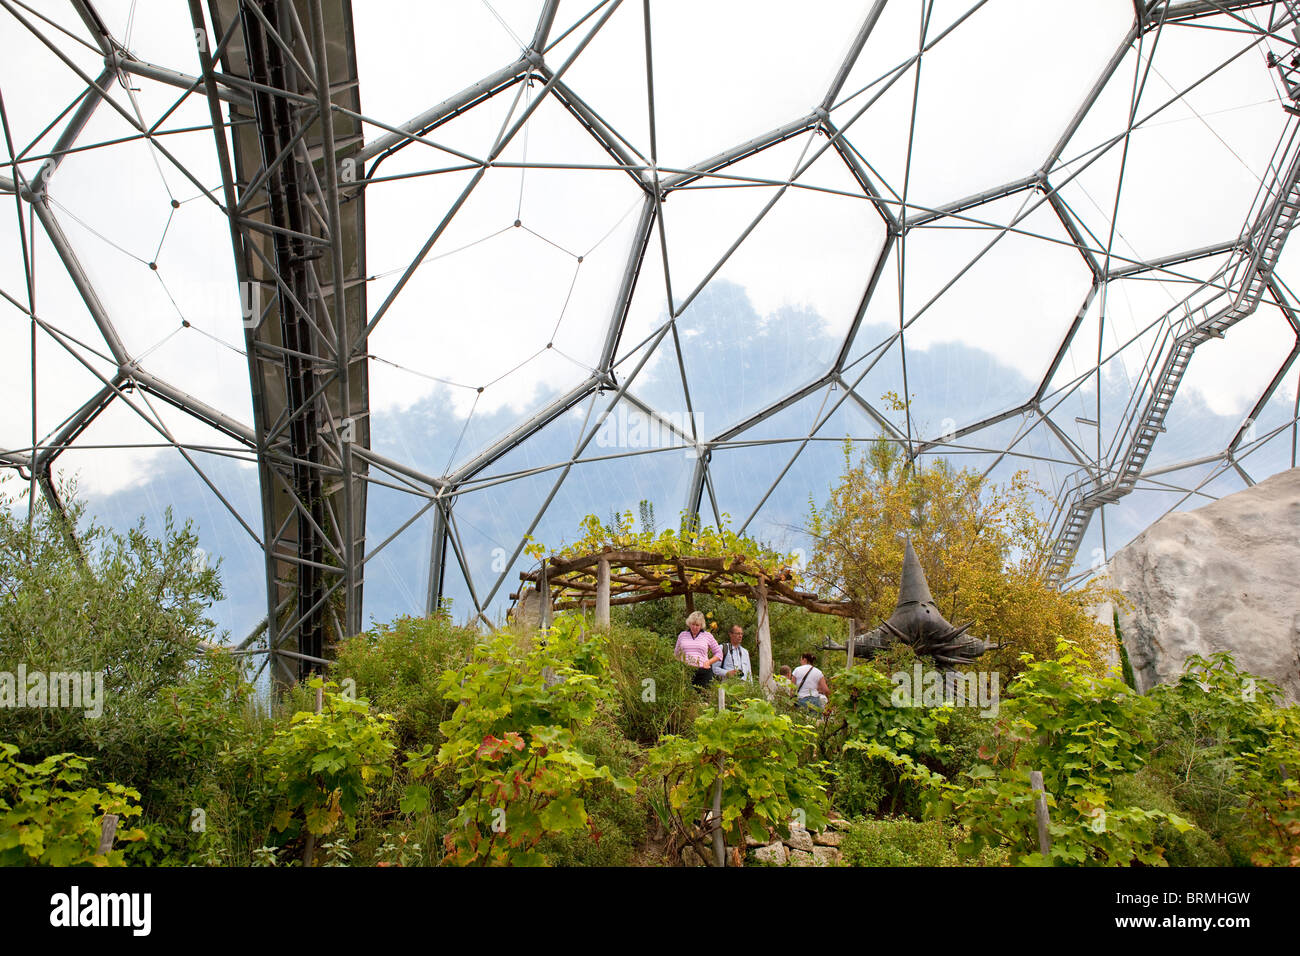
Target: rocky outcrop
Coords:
[[1220, 578]]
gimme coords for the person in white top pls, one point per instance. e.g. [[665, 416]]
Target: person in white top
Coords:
[[735, 659], [810, 687]]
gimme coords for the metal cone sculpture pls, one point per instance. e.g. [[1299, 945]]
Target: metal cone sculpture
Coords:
[[916, 621]]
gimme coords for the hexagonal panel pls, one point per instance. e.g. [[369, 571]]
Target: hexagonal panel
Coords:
[[1202, 93], [971, 98], [1002, 271], [717, 79]]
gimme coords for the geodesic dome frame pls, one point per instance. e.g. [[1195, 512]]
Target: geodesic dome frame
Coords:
[[650, 364]]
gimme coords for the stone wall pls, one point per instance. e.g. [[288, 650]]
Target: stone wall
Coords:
[[801, 848]]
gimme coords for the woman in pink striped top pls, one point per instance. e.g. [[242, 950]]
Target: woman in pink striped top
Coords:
[[697, 649]]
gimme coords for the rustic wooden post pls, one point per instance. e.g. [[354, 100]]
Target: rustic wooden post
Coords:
[[719, 840], [1040, 811], [602, 593], [853, 633], [309, 849], [764, 641], [544, 592], [107, 833], [686, 586]]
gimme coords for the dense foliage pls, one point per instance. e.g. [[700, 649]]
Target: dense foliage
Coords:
[[1227, 749], [130, 606], [438, 744], [890, 757], [512, 748], [982, 546], [1083, 734], [762, 759], [44, 819], [900, 841], [399, 665], [324, 761]]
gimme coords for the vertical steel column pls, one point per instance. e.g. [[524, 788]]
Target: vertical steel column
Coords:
[[291, 255], [437, 559]]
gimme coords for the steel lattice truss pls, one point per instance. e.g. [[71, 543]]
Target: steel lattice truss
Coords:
[[545, 219]]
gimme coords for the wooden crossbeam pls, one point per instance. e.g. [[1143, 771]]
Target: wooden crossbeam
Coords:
[[637, 576]]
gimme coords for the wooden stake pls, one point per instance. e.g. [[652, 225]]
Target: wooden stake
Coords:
[[719, 842], [309, 850], [544, 592], [764, 641], [602, 594], [107, 833], [1040, 811]]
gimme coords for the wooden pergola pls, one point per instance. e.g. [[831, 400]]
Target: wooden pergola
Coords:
[[603, 579]]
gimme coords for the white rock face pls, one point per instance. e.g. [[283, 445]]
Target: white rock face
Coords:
[[1225, 577]]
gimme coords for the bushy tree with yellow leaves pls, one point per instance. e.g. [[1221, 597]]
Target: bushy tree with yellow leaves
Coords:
[[983, 548]]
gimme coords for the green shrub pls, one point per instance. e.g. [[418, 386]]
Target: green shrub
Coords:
[[616, 821], [1194, 847], [1126, 666], [652, 688], [512, 745], [1268, 775], [861, 785], [766, 780], [894, 754], [1083, 734], [132, 605], [903, 842], [1227, 751], [45, 820], [398, 667], [324, 763], [206, 798], [387, 836]]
